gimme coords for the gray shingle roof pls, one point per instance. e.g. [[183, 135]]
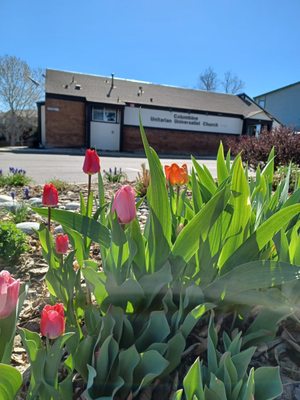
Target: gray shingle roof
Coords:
[[97, 88]]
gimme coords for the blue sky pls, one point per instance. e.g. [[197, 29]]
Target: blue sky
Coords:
[[160, 41]]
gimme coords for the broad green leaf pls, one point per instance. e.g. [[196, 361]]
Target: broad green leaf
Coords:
[[222, 170], [248, 392], [156, 331], [268, 385], [250, 249], [128, 360], [84, 225], [151, 365], [10, 382], [252, 275], [157, 194], [187, 242], [97, 280], [192, 382], [205, 177], [197, 199], [240, 202]]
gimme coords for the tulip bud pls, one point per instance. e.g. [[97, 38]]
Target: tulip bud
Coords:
[[177, 175], [50, 195], [9, 294], [53, 321], [61, 244], [124, 204], [91, 163]]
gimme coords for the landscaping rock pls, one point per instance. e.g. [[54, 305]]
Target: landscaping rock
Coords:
[[28, 227], [4, 198], [10, 205], [72, 206], [58, 229], [35, 202]]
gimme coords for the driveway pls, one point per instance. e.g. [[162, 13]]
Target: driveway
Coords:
[[42, 167]]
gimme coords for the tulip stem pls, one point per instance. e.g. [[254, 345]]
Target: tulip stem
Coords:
[[89, 185], [177, 197], [49, 217]]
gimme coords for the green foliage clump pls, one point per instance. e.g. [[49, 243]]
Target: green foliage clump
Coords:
[[114, 175], [12, 242], [292, 171], [19, 213], [15, 177], [225, 375], [142, 181], [60, 184]]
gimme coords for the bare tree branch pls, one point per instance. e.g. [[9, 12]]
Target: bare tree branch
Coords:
[[232, 83], [208, 80], [20, 88]]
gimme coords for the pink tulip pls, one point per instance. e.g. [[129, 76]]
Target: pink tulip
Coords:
[[124, 204], [53, 321], [9, 294]]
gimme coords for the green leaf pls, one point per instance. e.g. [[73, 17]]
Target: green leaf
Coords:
[[252, 275], [240, 202], [192, 382], [97, 281], [248, 391], [222, 170], [187, 242], [151, 365], [205, 177], [249, 250], [10, 382], [156, 331], [84, 225], [157, 194], [128, 361], [83, 356], [268, 385]]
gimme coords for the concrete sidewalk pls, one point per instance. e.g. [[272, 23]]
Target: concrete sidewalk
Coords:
[[105, 153]]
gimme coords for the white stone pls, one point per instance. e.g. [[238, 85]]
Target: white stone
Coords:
[[10, 205], [4, 198], [58, 229], [28, 227], [35, 201], [72, 206]]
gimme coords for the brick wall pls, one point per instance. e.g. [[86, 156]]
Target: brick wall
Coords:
[[169, 141], [65, 127]]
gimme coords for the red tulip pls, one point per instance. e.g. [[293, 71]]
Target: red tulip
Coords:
[[62, 244], [177, 175], [91, 163], [124, 204], [53, 321], [50, 195], [9, 294]]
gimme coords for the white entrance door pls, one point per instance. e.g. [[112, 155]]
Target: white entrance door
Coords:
[[105, 136]]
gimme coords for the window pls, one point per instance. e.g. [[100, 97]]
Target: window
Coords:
[[102, 114], [261, 103]]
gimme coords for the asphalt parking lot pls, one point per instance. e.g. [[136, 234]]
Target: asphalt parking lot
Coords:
[[42, 167]]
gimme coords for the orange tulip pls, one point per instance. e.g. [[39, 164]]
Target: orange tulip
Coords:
[[177, 175]]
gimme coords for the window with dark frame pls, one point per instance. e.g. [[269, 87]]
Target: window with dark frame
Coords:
[[103, 114]]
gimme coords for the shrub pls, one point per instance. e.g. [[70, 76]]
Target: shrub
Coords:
[[12, 242], [255, 150]]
